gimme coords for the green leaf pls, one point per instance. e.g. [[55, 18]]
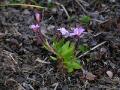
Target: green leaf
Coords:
[[64, 47], [83, 48], [76, 65], [69, 54], [71, 65], [68, 66], [57, 44], [70, 70], [85, 20]]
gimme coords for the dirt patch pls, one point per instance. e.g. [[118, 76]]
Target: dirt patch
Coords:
[[19, 52]]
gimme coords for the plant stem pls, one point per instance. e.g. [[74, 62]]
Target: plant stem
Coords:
[[28, 5]]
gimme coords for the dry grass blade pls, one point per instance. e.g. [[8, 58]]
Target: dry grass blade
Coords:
[[92, 49], [10, 61], [56, 85], [63, 9], [41, 61], [25, 5]]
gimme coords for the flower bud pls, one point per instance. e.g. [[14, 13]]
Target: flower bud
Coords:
[[37, 17]]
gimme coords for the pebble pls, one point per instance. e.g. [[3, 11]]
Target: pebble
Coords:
[[26, 12], [110, 74]]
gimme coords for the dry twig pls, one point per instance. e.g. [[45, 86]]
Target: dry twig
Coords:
[[41, 61], [92, 49], [82, 7], [85, 11], [63, 8]]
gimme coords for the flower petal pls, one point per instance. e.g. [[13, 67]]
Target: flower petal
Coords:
[[79, 31], [64, 32], [34, 27]]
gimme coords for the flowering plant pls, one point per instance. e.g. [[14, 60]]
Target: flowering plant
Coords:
[[64, 51]]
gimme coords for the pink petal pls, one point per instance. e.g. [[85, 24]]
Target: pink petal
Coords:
[[63, 31], [35, 27], [32, 26], [79, 31]]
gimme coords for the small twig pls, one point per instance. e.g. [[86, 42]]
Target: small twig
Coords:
[[56, 85], [11, 61], [85, 11], [84, 2], [92, 49], [63, 8], [14, 61], [97, 34], [100, 21], [65, 11], [9, 54], [27, 5], [82, 7], [41, 61], [91, 13]]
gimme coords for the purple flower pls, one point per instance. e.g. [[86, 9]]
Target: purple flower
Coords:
[[64, 32], [35, 27], [77, 31], [39, 35]]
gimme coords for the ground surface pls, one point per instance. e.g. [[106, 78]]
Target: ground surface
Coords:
[[19, 52]]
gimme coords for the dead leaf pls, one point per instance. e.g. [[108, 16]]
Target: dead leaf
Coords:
[[90, 76]]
